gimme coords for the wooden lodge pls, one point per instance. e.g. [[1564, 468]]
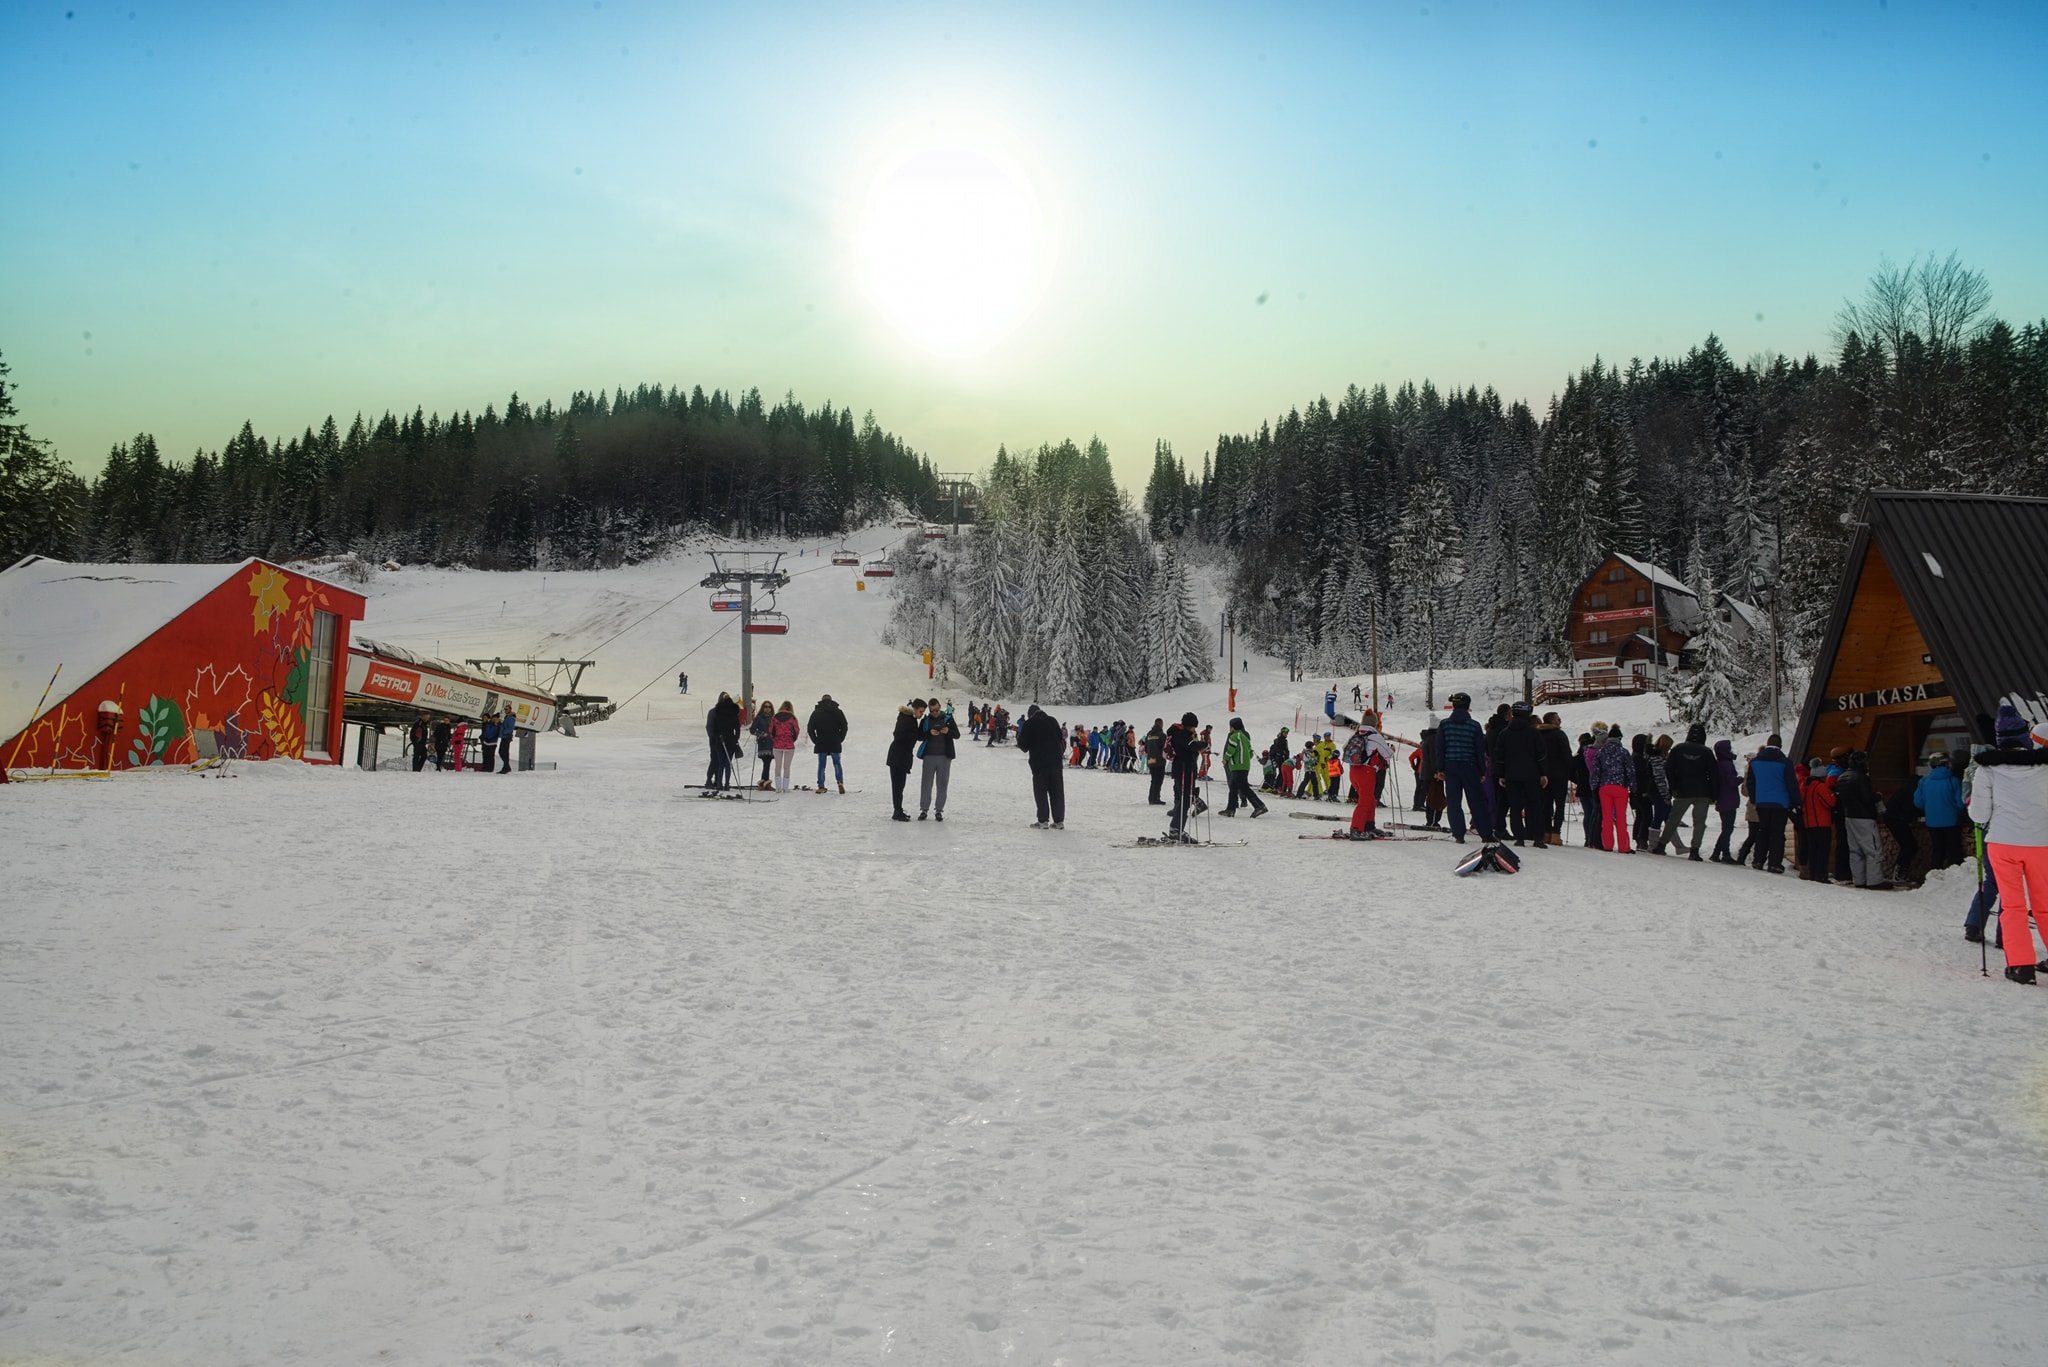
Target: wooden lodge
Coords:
[[1942, 614], [1629, 622]]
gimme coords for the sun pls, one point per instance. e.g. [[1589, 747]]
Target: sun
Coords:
[[952, 245]]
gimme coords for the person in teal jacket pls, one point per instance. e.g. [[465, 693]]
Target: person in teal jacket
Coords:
[[1237, 768], [1940, 800]]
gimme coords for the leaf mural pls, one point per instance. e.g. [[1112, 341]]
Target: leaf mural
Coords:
[[268, 587], [281, 724], [295, 682], [156, 726]]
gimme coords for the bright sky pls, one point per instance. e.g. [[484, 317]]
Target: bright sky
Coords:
[[986, 223]]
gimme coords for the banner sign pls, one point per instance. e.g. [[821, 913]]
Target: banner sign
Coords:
[[1616, 615], [1885, 697], [431, 691]]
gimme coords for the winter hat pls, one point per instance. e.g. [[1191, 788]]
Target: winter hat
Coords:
[[1520, 709], [2011, 727], [2040, 734], [1188, 719], [827, 698], [1818, 767], [1696, 734]]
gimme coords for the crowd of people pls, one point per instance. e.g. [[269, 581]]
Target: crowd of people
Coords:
[[446, 742], [1515, 777]]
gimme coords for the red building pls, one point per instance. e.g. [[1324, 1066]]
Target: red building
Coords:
[[1629, 622], [202, 660]]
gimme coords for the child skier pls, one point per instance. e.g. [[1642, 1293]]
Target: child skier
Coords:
[[1368, 753]]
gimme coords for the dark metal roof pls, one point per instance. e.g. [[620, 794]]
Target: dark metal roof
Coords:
[[1973, 569]]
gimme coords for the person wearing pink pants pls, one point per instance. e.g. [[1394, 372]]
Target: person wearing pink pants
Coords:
[[1614, 773], [2009, 799]]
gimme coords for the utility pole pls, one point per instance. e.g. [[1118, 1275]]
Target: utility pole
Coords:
[[1777, 721], [1230, 650], [743, 570], [1372, 607]]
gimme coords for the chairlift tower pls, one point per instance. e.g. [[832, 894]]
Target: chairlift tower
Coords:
[[744, 570]]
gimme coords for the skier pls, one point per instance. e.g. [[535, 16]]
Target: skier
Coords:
[[1518, 765], [508, 726], [1614, 772], [827, 730], [1039, 735], [1769, 784], [1727, 799], [1368, 754], [722, 730], [940, 731], [489, 742], [1461, 751], [1155, 759], [442, 732], [1330, 703], [783, 732], [902, 750], [2009, 799], [1185, 747], [1856, 807], [1818, 804], [1237, 766], [683, 684], [1206, 743], [2009, 732], [1357, 699], [762, 728], [1587, 788], [1690, 769], [420, 734], [1940, 800], [1557, 776]]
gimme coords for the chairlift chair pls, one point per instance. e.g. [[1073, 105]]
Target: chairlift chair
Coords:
[[726, 602], [767, 624], [935, 533], [843, 556], [909, 522], [878, 568]]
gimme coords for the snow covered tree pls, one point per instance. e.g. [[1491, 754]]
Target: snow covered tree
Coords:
[[1428, 558]]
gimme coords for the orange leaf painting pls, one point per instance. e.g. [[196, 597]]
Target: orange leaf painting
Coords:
[[281, 724]]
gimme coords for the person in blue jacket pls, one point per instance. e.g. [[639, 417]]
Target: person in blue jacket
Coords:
[[1940, 800], [1461, 751], [1769, 784], [490, 744]]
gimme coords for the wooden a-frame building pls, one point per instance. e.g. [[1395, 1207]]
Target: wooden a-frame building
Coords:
[[1941, 616]]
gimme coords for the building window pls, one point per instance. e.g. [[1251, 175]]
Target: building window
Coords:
[[320, 685], [1598, 637], [1616, 575], [1642, 596], [1598, 600]]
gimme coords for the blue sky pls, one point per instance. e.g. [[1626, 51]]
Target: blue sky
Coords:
[[280, 211]]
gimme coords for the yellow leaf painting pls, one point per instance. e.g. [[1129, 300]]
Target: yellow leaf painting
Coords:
[[268, 587]]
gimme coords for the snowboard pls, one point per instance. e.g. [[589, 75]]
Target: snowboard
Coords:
[[1149, 842]]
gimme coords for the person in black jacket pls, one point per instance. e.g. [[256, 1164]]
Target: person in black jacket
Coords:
[[1044, 742], [1690, 770], [722, 730], [1898, 819], [1518, 767], [418, 735], [1184, 745], [902, 752], [827, 730], [444, 731], [1857, 809], [1557, 774], [1155, 759]]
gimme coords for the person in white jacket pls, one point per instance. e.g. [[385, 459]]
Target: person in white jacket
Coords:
[[2009, 799]]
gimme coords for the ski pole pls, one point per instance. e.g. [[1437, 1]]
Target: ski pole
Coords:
[[18, 740], [1983, 909]]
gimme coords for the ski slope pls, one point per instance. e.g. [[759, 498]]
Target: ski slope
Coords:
[[321, 1067]]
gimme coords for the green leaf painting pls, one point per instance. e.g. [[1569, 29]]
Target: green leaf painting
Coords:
[[295, 682], [157, 725]]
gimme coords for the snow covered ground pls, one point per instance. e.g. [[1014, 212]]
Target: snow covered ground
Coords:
[[317, 1066]]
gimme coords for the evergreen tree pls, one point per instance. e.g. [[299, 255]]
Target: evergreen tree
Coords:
[[1428, 559]]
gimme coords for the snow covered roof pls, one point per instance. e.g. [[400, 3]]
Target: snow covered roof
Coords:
[[414, 657], [84, 617], [1656, 574], [1750, 613]]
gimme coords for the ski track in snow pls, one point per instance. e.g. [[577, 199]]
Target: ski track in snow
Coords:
[[570, 1068]]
